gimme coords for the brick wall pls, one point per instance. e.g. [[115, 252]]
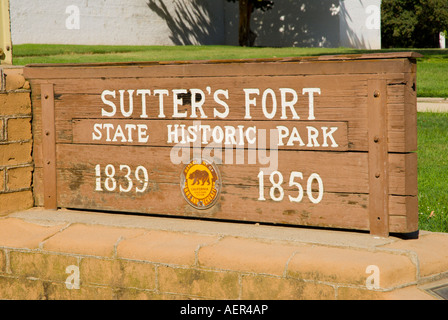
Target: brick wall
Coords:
[[78, 255], [16, 164]]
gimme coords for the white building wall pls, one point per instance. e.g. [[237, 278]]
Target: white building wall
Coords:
[[300, 23], [116, 22]]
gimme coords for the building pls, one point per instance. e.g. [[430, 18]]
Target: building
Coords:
[[304, 23]]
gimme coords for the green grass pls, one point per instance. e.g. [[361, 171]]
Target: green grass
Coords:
[[30, 53], [432, 81], [36, 53], [433, 171], [432, 74]]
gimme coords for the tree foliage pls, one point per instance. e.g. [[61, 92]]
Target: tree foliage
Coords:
[[413, 23], [246, 37]]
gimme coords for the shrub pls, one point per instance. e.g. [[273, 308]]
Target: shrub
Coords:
[[413, 23]]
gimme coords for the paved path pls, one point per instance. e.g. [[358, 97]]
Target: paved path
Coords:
[[432, 104]]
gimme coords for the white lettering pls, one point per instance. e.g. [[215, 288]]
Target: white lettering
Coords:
[[218, 130], [105, 113], [295, 136], [283, 132], [128, 113], [130, 127], [177, 102], [192, 130], [108, 126], [172, 134], [119, 133], [197, 104], [216, 113], [96, 135], [143, 93], [230, 135], [311, 92], [161, 93], [254, 139], [274, 103], [312, 137], [290, 104], [249, 101], [329, 135], [143, 137]]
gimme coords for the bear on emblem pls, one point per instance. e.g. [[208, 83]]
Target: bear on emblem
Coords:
[[199, 176]]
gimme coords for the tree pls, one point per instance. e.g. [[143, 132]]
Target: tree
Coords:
[[246, 37], [413, 23]]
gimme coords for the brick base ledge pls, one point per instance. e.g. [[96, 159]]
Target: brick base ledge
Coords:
[[68, 254]]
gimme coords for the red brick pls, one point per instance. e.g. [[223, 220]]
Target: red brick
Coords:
[[164, 247], [20, 234], [349, 266], [118, 273], [19, 178], [14, 78], [431, 249], [15, 201], [19, 129], [39, 265], [15, 103], [201, 283], [58, 291], [89, 239], [256, 287], [12, 154], [247, 255], [21, 289]]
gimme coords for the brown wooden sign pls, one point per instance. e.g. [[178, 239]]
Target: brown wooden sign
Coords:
[[324, 141]]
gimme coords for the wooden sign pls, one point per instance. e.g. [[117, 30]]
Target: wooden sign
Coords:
[[324, 141]]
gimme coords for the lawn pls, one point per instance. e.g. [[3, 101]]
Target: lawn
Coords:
[[432, 81], [433, 171]]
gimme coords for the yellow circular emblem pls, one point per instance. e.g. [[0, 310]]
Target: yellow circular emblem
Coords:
[[200, 183]]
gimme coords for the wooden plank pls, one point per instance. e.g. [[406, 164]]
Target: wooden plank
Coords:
[[177, 69], [348, 172], [332, 105], [298, 135], [405, 184], [49, 147], [378, 159], [237, 203], [402, 175], [399, 222], [403, 214]]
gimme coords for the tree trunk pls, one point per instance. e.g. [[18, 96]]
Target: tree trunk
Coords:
[[246, 37]]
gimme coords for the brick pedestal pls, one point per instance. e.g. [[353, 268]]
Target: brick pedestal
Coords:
[[134, 257]]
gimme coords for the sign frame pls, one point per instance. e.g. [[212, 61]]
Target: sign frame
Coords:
[[380, 147]]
